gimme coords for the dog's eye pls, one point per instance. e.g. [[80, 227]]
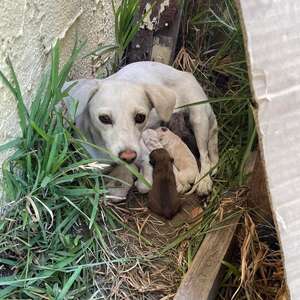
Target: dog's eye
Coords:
[[105, 119], [139, 118]]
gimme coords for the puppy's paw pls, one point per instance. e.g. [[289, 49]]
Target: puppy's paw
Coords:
[[204, 187], [180, 188], [141, 187]]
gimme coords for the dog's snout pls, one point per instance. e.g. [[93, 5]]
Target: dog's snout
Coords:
[[128, 155]]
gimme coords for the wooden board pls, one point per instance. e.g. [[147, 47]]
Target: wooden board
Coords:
[[258, 197], [157, 40], [201, 280]]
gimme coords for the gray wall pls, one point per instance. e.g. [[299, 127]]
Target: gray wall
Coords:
[[28, 29]]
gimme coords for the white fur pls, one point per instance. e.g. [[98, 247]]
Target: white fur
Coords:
[[155, 90]]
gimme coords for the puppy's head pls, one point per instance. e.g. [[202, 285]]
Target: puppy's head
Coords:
[[160, 156], [118, 112], [165, 136]]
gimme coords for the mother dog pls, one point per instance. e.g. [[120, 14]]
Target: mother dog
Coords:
[[113, 112]]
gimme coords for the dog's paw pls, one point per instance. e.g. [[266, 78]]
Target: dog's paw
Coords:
[[141, 187], [181, 189], [117, 194], [204, 186], [185, 188]]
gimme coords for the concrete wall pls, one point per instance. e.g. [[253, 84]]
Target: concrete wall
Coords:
[[28, 29]]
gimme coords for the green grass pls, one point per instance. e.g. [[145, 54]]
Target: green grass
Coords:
[[56, 227], [54, 230], [127, 24]]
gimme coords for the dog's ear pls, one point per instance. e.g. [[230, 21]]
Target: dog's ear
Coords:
[[83, 120], [162, 99]]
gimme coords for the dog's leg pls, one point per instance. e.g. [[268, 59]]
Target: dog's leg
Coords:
[[200, 122], [118, 183], [146, 170], [180, 184], [213, 150]]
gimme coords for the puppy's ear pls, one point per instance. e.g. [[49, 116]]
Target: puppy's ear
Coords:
[[152, 159], [162, 99], [152, 162]]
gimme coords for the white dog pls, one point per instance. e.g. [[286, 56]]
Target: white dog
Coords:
[[113, 112]]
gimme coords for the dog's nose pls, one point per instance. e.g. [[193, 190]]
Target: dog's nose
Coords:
[[128, 155]]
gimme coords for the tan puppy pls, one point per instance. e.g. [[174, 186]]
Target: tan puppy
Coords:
[[187, 173], [163, 197]]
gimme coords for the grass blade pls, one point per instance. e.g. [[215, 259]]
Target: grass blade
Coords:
[[11, 144], [68, 284]]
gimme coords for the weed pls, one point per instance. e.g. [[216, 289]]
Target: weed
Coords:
[[127, 24], [54, 230]]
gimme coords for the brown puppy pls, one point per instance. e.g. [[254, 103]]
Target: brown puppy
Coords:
[[181, 126], [163, 197]]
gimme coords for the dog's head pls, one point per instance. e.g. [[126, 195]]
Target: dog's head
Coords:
[[117, 112]]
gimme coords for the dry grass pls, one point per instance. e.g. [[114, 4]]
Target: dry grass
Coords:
[[256, 270], [156, 271]]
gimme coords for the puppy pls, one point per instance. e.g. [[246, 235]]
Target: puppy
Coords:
[[149, 142], [181, 126], [187, 173], [163, 197]]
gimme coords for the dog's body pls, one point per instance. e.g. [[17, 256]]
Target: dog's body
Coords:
[[181, 126], [113, 112], [187, 173], [163, 197]]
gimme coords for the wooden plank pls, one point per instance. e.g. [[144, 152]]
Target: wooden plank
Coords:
[[258, 197], [157, 39], [201, 280]]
